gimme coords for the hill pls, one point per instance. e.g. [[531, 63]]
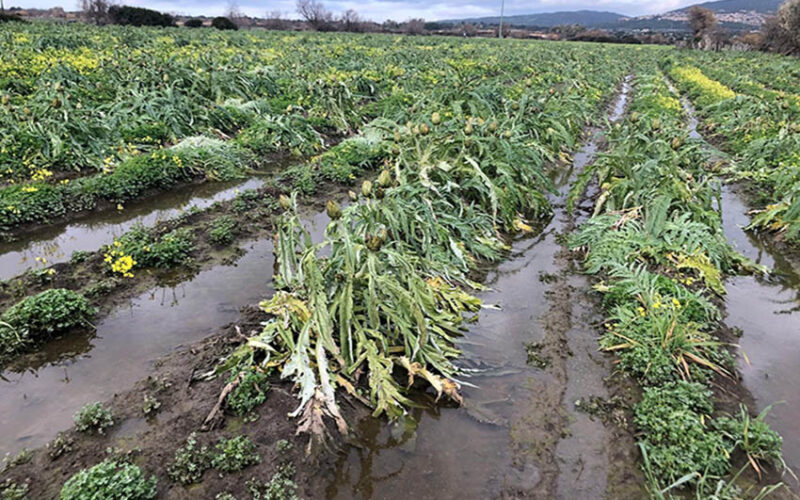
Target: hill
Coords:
[[590, 18], [759, 6]]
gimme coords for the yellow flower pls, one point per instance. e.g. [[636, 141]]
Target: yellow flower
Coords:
[[657, 305], [641, 310], [29, 189], [676, 303], [120, 207]]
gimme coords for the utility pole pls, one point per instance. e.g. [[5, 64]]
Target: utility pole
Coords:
[[502, 7]]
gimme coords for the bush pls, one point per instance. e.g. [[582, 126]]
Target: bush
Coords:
[[194, 23], [138, 16], [93, 417], [109, 480], [223, 23], [141, 247], [41, 316]]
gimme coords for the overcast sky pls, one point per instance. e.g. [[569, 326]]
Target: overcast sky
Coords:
[[399, 10]]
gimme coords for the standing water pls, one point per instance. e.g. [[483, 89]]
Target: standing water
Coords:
[[767, 313], [56, 242], [39, 399], [517, 433]]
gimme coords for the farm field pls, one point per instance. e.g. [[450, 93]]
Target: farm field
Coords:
[[276, 265]]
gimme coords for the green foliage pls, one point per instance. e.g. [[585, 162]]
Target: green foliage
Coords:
[[109, 480], [93, 417], [190, 462], [250, 392], [149, 249], [223, 230], [678, 441], [9, 490], [231, 455], [41, 316], [59, 446], [754, 437]]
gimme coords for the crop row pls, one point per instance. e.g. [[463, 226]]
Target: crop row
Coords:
[[657, 243], [388, 289], [759, 126]]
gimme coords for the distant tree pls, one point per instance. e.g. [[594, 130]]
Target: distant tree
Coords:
[[223, 23], [468, 29], [702, 21], [96, 11], [315, 14], [789, 22], [414, 26], [138, 16], [275, 21], [390, 25], [194, 23], [234, 14], [351, 21]]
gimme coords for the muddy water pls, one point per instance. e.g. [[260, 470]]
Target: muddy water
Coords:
[[768, 313], [57, 242], [518, 433], [37, 403]]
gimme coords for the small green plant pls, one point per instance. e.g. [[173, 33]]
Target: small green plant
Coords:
[[224, 496], [223, 230], [249, 393], [190, 462], [79, 256], [93, 417], [147, 249], [9, 490], [59, 446], [754, 437], [283, 446], [280, 487], [11, 461], [151, 405], [41, 316], [234, 454], [110, 480]]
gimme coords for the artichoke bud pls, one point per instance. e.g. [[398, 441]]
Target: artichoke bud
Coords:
[[333, 209], [374, 243], [385, 179], [436, 119], [492, 126], [366, 188], [424, 129], [285, 202], [468, 129], [352, 195]]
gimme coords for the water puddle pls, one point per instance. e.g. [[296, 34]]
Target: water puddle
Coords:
[[506, 440], [56, 242], [768, 314], [40, 399]]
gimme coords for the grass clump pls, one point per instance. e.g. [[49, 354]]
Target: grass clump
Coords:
[[93, 417], [9, 490], [40, 317], [234, 454], [109, 480]]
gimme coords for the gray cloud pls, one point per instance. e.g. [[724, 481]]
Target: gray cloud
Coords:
[[380, 10]]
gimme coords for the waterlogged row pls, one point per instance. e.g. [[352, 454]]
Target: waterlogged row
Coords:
[[759, 126], [656, 244], [171, 246], [387, 288]]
